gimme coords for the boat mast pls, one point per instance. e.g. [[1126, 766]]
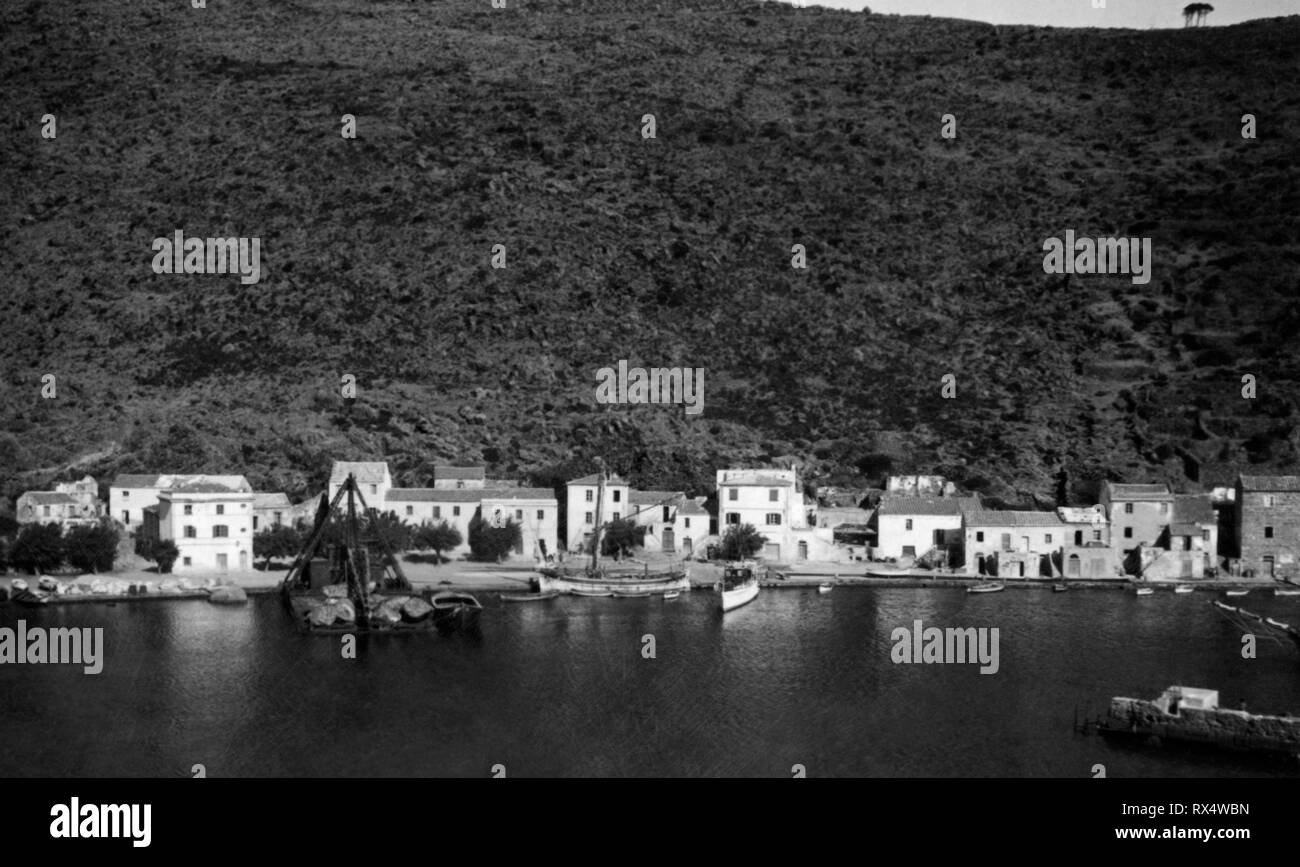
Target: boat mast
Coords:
[[600, 503]]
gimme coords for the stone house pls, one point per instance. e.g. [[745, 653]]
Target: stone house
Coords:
[[373, 480], [271, 509], [459, 478], [580, 508], [908, 526], [1013, 544], [1268, 525], [130, 493], [69, 504]]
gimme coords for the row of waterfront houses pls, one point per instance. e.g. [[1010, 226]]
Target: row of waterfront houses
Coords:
[[1145, 530]]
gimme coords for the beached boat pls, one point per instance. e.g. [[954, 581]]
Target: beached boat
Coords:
[[24, 596], [48, 584], [1235, 592], [456, 611], [17, 584], [529, 597], [1193, 716], [1184, 588], [1144, 591], [987, 587], [825, 587], [739, 586]]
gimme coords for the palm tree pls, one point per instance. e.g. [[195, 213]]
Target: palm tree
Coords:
[[1189, 12], [1196, 11]]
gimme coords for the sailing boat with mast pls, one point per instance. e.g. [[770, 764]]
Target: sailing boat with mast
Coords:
[[601, 581], [358, 585]]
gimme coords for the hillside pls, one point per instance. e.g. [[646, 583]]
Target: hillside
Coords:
[[521, 127]]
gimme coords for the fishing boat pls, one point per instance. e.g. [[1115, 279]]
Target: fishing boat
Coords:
[[346, 576], [455, 611], [1184, 588], [987, 587], [1144, 591], [529, 597], [825, 587], [597, 580], [672, 594], [1278, 591], [1060, 588], [739, 586], [1235, 592]]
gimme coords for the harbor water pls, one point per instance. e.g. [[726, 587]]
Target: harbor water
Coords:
[[567, 687]]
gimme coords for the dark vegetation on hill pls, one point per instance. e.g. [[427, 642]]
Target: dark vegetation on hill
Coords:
[[521, 127]]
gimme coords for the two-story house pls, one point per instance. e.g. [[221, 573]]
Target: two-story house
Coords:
[[373, 480], [1139, 514], [773, 502], [69, 504], [580, 508], [1013, 544], [908, 526], [131, 493], [210, 522], [1268, 525]]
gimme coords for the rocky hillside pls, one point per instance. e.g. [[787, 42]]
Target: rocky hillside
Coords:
[[775, 126]]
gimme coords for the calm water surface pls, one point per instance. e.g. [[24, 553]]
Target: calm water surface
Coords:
[[561, 689]]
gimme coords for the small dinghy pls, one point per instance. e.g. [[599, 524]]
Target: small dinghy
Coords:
[[825, 587], [48, 584], [1144, 591], [1060, 588], [987, 587], [17, 584], [1281, 592], [1236, 592], [453, 611], [27, 597], [529, 597], [672, 594], [1184, 588]]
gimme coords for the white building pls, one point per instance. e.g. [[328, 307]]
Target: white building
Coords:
[[130, 494], [417, 506], [580, 508], [210, 522], [675, 524], [909, 526], [535, 510], [772, 501], [458, 478], [373, 480], [1035, 537], [271, 509]]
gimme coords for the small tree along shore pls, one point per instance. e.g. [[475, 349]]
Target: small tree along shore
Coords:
[[437, 538], [490, 543], [740, 542]]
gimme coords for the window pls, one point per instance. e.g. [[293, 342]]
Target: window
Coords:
[[221, 509], [907, 524], [667, 514], [1268, 532], [1205, 535], [1128, 508], [1164, 508], [254, 523], [126, 517], [188, 509], [617, 515], [617, 494], [732, 494], [688, 523], [979, 535], [126, 495], [733, 517], [1269, 502], [437, 512], [460, 483], [277, 517], [773, 495], [186, 561], [589, 519], [220, 531], [374, 489], [1006, 541], [1128, 532], [590, 495], [519, 514], [541, 515], [1047, 538], [410, 510], [1096, 535], [47, 510], [190, 532], [455, 511], [773, 518]]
